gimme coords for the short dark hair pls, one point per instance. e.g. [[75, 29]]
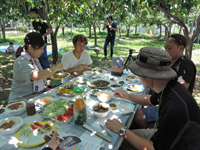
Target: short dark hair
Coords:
[[110, 17], [179, 39], [80, 38]]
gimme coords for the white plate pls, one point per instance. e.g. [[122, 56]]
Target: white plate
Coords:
[[90, 82], [65, 74], [137, 89], [80, 80], [35, 138], [122, 107], [90, 92]]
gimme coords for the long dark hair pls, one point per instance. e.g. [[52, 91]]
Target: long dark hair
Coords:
[[21, 48]]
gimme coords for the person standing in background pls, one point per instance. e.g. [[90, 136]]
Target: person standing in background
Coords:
[[111, 33], [43, 29]]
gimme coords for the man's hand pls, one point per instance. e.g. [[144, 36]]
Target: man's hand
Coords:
[[114, 125], [81, 67], [121, 93], [76, 73], [52, 142]]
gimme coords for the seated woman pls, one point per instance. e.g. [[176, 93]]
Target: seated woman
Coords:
[[28, 75], [77, 60]]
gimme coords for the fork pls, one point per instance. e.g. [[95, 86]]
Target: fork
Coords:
[[104, 128]]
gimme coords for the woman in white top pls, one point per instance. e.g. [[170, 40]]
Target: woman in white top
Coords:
[[28, 75]]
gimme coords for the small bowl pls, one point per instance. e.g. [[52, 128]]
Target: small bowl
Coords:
[[132, 78], [104, 96], [18, 123], [115, 86], [15, 112], [101, 114], [88, 73]]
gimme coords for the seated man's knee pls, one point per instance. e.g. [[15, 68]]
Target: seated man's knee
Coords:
[[139, 119]]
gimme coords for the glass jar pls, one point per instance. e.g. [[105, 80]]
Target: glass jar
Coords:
[[30, 108], [80, 112]]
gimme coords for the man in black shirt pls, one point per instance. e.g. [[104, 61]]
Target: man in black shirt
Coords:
[[179, 125], [111, 33], [186, 74], [43, 29]]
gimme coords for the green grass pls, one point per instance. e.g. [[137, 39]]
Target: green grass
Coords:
[[121, 49]]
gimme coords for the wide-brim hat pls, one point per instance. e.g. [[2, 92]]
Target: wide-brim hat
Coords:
[[153, 63], [35, 38]]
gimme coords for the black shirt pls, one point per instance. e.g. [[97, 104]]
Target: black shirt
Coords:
[[179, 119], [186, 71], [41, 27]]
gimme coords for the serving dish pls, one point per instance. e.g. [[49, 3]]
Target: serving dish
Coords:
[[100, 110], [30, 137], [99, 83], [67, 90], [15, 108], [88, 73], [80, 80], [115, 86], [59, 75], [104, 96], [10, 125], [135, 88], [45, 100]]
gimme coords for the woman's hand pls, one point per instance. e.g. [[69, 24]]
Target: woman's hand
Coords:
[[114, 125], [59, 67], [52, 142], [121, 93]]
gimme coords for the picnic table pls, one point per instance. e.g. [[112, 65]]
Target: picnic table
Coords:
[[8, 142]]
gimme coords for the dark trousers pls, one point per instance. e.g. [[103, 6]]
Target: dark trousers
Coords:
[[44, 59], [112, 41]]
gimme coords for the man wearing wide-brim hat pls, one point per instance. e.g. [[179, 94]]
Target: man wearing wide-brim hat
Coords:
[[179, 115]]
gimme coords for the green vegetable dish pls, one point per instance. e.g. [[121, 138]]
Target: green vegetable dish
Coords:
[[94, 92], [57, 108]]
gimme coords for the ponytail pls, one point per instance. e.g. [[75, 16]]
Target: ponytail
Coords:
[[21, 49]]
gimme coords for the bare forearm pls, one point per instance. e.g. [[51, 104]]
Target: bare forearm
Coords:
[[138, 142], [140, 99], [71, 70], [115, 29], [49, 31]]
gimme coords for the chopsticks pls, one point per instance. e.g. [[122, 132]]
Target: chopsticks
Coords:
[[46, 131], [124, 107], [89, 67]]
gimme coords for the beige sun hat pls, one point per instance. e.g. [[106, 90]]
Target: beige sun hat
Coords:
[[153, 63]]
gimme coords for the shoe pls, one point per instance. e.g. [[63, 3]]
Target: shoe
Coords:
[[104, 58]]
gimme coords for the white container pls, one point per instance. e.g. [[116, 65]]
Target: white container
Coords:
[[102, 114], [15, 112], [18, 123], [88, 73], [119, 86], [104, 96]]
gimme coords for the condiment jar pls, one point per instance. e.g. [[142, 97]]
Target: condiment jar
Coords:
[[30, 108], [80, 112]]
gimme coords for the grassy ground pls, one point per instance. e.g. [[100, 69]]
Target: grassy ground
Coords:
[[121, 49]]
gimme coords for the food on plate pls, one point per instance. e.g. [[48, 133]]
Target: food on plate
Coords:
[[132, 88], [106, 95], [121, 82], [80, 80], [46, 127], [112, 106], [94, 92], [100, 108], [98, 76], [45, 100], [112, 79], [57, 108], [8, 124], [15, 106], [115, 85], [131, 77], [59, 75], [26, 132], [100, 83], [70, 86], [68, 89]]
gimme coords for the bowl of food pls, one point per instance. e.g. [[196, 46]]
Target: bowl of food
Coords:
[[88, 73], [132, 78], [104, 96], [16, 108], [45, 100], [101, 110], [10, 125], [115, 86]]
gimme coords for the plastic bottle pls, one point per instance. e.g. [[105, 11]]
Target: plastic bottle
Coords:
[[80, 112]]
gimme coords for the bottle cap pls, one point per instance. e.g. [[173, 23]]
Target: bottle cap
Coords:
[[78, 90]]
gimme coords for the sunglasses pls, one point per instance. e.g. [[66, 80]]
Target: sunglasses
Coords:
[[175, 40]]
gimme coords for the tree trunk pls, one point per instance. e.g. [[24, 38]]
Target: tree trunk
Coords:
[[3, 30], [160, 30], [119, 31], [90, 31], [135, 29], [63, 31], [188, 48], [127, 31], [54, 48], [71, 29], [95, 34]]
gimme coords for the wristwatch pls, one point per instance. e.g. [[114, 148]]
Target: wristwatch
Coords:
[[122, 131]]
